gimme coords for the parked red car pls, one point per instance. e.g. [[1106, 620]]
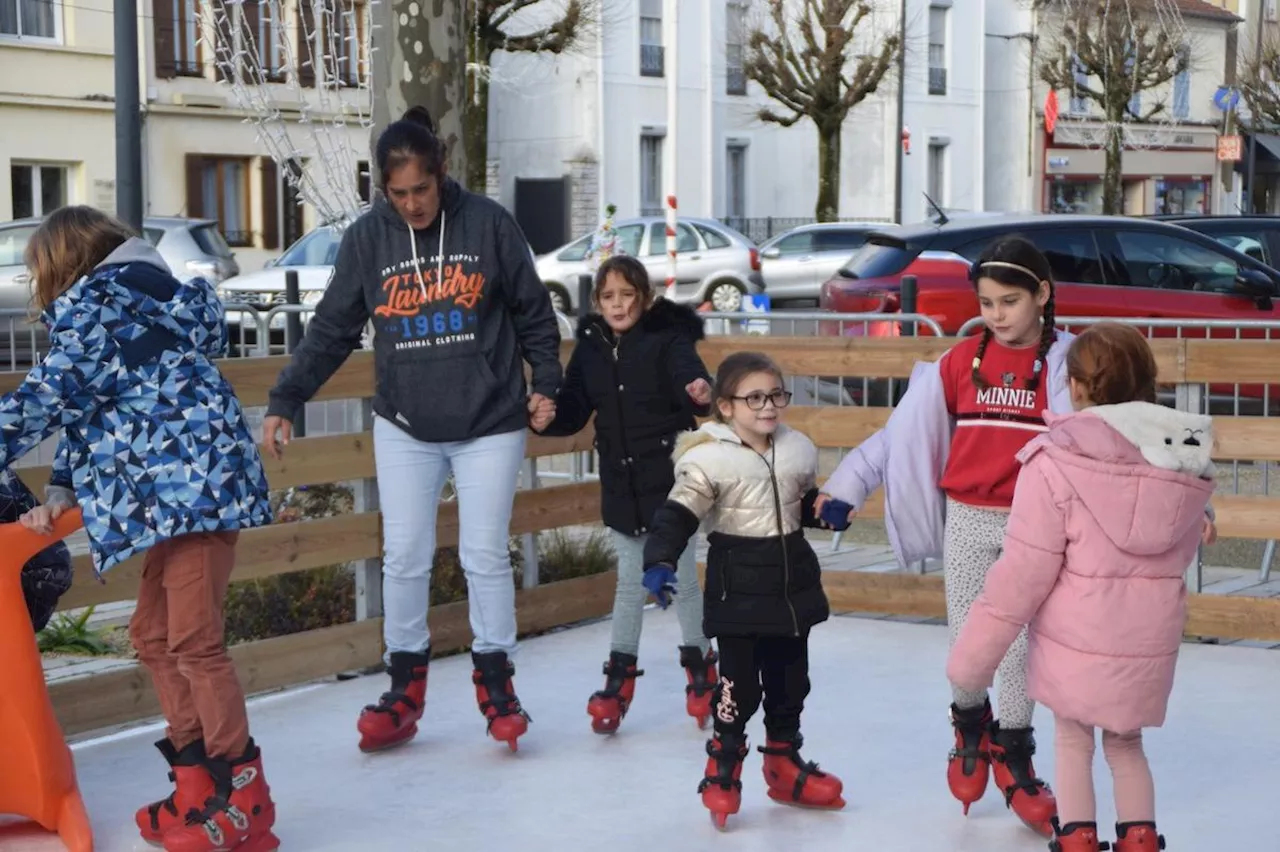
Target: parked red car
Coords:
[[1107, 266]]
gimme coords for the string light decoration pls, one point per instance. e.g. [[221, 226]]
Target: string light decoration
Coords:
[[265, 52]]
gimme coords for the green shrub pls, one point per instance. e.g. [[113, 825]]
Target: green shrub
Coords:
[[563, 557], [290, 603], [67, 635]]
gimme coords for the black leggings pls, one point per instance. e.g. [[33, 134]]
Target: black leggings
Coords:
[[778, 667]]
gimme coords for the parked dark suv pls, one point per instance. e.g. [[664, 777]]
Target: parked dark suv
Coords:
[[1255, 235], [1109, 266]]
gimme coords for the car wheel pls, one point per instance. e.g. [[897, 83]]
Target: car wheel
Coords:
[[726, 296], [559, 298]]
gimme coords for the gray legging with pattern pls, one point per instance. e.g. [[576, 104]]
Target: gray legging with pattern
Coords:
[[973, 541], [629, 599]]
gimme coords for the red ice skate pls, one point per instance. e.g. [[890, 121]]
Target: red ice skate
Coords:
[[1138, 837], [1026, 795], [608, 706], [721, 788], [701, 672], [238, 815], [192, 786], [969, 763], [792, 781], [507, 721], [394, 719], [1076, 837]]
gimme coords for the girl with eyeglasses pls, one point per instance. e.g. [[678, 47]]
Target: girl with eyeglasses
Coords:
[[752, 480]]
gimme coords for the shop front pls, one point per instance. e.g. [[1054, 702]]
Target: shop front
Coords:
[[1166, 170]]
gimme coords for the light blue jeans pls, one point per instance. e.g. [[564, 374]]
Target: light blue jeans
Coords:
[[411, 475], [629, 599]]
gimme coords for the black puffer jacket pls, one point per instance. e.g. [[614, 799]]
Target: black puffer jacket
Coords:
[[47, 576], [635, 386]]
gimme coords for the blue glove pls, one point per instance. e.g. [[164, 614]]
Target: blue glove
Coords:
[[660, 580], [835, 514]]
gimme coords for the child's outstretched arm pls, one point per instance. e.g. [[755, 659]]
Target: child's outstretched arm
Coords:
[[573, 406], [686, 370], [1035, 545], [61, 390], [677, 520]]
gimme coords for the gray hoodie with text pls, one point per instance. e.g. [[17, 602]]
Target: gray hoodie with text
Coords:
[[456, 309]]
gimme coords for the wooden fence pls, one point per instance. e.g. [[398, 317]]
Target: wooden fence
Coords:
[[125, 694]]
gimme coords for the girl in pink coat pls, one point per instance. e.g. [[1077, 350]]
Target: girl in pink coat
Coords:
[[1110, 507]]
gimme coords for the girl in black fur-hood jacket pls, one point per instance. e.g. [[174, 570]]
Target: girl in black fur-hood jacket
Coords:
[[636, 367]]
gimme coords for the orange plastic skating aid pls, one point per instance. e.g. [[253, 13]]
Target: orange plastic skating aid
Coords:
[[1138, 837], [969, 764], [1027, 796], [721, 786], [1076, 837], [192, 786], [792, 781], [507, 721], [39, 778], [394, 719], [609, 706], [701, 672]]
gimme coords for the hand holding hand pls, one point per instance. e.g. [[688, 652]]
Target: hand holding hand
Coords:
[[276, 432], [41, 518], [542, 410], [699, 391], [660, 580], [1210, 533], [836, 514]]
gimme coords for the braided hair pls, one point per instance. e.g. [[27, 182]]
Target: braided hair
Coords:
[[1016, 262]]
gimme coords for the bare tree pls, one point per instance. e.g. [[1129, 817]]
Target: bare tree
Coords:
[[1260, 84], [494, 25], [1119, 50], [801, 56]]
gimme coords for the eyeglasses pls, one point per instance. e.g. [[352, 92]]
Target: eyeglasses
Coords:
[[756, 399]]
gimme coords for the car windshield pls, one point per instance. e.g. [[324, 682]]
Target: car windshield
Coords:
[[318, 248], [877, 259]]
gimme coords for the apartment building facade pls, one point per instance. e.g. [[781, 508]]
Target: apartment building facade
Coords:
[[597, 118], [202, 154], [1169, 165]]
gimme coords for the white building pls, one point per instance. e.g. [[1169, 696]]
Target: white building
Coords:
[[200, 157], [1173, 169], [598, 119]]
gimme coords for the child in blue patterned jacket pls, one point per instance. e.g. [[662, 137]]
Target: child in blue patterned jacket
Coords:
[[156, 452]]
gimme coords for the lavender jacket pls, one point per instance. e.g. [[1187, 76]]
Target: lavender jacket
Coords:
[[909, 455]]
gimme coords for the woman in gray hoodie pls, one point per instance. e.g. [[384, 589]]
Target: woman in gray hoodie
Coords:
[[448, 281]]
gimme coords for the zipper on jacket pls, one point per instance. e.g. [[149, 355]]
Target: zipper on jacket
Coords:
[[627, 460], [782, 537]]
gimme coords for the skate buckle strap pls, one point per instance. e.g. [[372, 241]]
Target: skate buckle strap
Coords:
[[387, 704], [808, 769], [724, 782], [169, 804]]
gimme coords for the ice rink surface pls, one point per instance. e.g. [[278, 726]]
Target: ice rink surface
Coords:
[[877, 717]]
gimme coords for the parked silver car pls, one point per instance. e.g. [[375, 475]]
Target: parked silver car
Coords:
[[714, 263], [190, 247], [795, 264]]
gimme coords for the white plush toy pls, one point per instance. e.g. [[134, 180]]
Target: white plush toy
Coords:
[[1169, 439]]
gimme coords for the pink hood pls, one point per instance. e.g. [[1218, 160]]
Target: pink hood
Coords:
[[1150, 453], [1110, 506]]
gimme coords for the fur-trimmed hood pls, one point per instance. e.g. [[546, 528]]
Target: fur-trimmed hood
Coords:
[[1141, 470], [663, 316]]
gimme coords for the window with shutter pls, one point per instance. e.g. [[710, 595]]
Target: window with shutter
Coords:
[[305, 53]]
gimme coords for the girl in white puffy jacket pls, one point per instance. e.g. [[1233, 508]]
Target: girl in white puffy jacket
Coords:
[[752, 482]]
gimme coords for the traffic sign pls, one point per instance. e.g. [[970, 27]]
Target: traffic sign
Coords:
[[1229, 148], [1226, 98]]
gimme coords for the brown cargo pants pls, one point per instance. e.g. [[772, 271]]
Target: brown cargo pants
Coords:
[[178, 632]]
